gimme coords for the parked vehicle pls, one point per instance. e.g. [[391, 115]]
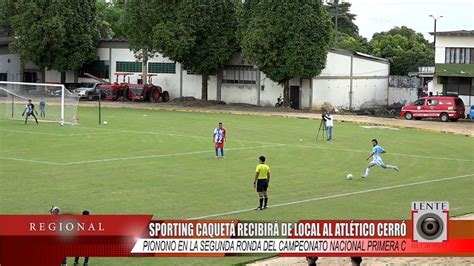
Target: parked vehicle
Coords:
[[133, 92], [89, 91], [280, 101], [72, 86], [152, 93], [115, 91], [443, 107]]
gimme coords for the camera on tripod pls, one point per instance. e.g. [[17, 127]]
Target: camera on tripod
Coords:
[[325, 116], [322, 126]]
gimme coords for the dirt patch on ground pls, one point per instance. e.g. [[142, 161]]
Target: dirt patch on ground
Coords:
[[190, 104], [376, 261]]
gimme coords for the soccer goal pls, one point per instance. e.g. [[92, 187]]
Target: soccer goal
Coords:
[[53, 102]]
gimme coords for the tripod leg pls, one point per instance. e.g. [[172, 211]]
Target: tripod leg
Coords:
[[320, 125]]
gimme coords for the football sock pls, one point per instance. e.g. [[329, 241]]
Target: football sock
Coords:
[[261, 202], [390, 167], [217, 152], [367, 170], [222, 151], [266, 200]]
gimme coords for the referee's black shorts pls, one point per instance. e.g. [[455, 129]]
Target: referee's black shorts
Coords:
[[262, 185]]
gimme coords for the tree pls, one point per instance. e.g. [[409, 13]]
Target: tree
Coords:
[[138, 22], [347, 36], [404, 48], [345, 19], [198, 34], [111, 20], [357, 44], [288, 40], [6, 12], [57, 34]]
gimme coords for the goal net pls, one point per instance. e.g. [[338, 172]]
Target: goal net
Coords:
[[53, 102]]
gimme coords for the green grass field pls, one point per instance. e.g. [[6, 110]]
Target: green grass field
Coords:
[[162, 163]]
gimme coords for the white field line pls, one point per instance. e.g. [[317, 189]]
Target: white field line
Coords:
[[29, 161], [163, 155], [60, 134], [335, 196]]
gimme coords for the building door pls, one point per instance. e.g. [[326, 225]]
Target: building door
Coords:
[[295, 97]]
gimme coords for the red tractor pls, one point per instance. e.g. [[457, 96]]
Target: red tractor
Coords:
[[115, 91], [152, 93], [133, 92]]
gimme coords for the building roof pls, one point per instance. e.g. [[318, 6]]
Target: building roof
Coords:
[[357, 54], [454, 33]]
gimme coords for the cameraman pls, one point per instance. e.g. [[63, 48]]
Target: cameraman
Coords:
[[329, 120]]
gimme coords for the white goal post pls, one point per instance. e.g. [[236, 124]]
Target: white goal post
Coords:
[[53, 102]]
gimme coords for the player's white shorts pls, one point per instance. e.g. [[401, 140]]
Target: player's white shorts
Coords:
[[378, 162]]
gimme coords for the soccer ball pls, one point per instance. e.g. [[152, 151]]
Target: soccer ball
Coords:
[[349, 176], [105, 123]]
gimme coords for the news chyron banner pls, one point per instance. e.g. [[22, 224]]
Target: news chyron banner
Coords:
[[48, 239]]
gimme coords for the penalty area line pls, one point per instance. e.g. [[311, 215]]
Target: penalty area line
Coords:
[[334, 196]]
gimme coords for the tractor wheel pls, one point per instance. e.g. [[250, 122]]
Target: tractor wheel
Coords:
[[124, 94], [165, 97], [154, 95]]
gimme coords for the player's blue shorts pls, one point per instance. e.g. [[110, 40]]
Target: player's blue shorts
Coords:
[[377, 161]]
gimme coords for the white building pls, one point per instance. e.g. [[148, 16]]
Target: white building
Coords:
[[350, 80], [454, 64]]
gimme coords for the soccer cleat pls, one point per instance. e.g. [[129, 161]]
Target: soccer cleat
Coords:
[[258, 209], [363, 176], [265, 207], [396, 168]]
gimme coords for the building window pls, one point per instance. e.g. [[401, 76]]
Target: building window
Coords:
[[239, 74], [167, 68], [458, 86], [98, 68], [3, 76], [128, 66], [459, 55]]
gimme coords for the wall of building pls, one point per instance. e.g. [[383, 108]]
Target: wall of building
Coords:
[[271, 91], [11, 65], [369, 82], [369, 86], [451, 41], [403, 89]]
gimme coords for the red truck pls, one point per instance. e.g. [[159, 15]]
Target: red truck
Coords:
[[443, 107]]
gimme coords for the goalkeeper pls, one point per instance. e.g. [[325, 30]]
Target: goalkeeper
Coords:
[[30, 110]]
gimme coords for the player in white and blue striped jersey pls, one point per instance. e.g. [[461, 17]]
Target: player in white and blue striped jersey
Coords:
[[377, 151]]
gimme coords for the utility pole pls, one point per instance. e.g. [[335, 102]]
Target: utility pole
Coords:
[[434, 32]]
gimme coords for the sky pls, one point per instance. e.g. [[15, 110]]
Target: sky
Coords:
[[382, 15]]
